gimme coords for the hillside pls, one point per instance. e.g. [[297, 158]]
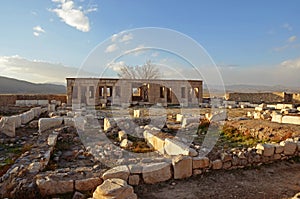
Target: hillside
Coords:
[[14, 86]]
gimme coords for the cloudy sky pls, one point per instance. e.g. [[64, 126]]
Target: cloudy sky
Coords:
[[251, 42]]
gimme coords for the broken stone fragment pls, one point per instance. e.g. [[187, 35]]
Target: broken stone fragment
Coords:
[[121, 172], [183, 167], [156, 172], [126, 143], [114, 188]]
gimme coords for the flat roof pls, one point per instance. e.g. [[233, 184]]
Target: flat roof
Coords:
[[93, 78]]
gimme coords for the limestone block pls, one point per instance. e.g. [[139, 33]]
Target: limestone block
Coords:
[[52, 138], [249, 114], [200, 162], [277, 118], [114, 188], [134, 180], [7, 126], [126, 144], [48, 186], [69, 122], [225, 157], [42, 102], [137, 113], [188, 120], [289, 147], [156, 142], [227, 165], [277, 156], [179, 117], [121, 172], [265, 149], [182, 166], [122, 135], [27, 117], [217, 164], [135, 168], [156, 172], [48, 123], [283, 106], [17, 120], [51, 108], [20, 102], [174, 147], [37, 111], [30, 102], [256, 115], [87, 184], [107, 124], [291, 119], [278, 148], [259, 109]]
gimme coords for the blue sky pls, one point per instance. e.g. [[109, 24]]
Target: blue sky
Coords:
[[252, 42]]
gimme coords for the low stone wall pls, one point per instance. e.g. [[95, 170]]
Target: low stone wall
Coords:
[[256, 97], [10, 99], [8, 125], [291, 119], [185, 166]]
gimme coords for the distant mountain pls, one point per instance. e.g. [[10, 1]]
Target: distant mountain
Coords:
[[14, 86]]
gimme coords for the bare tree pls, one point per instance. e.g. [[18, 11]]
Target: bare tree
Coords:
[[146, 71]]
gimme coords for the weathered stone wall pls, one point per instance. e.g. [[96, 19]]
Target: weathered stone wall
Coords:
[[10, 99], [87, 91], [256, 97], [296, 98], [7, 100]]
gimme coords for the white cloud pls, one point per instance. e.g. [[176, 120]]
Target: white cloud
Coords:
[[72, 15], [38, 30], [111, 48], [114, 37], [35, 70], [291, 63], [287, 26], [116, 66], [292, 39], [126, 38], [36, 34]]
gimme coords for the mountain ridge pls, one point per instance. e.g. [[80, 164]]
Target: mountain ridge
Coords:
[[15, 86]]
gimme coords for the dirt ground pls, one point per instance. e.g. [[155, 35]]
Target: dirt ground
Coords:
[[274, 181]]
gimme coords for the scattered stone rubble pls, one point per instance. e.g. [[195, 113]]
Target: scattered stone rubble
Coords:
[[174, 156]]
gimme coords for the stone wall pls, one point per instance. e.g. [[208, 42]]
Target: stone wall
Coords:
[[275, 97], [91, 91], [10, 99], [9, 124], [296, 98]]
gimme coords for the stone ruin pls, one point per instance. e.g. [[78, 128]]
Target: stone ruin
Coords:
[[172, 157]]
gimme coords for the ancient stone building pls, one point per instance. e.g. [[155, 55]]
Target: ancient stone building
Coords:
[[108, 91]]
